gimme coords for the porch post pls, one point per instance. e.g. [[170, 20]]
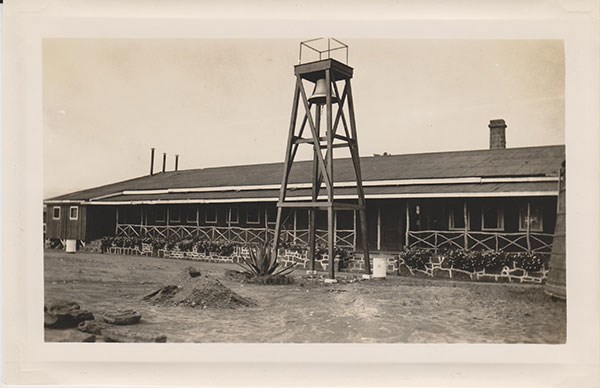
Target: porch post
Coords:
[[334, 226], [466, 220], [312, 216], [295, 224], [379, 228], [354, 229], [168, 231], [278, 233], [117, 222], [407, 235], [528, 226]]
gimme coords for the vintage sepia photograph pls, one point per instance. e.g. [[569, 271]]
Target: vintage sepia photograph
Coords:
[[310, 190], [300, 194]]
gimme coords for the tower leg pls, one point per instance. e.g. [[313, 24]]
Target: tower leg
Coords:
[[277, 232], [312, 213], [330, 242], [364, 240], [312, 216], [361, 194]]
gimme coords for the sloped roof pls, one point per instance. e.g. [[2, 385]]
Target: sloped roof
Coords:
[[543, 161], [429, 191]]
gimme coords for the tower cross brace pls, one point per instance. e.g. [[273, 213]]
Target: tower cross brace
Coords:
[[332, 72]]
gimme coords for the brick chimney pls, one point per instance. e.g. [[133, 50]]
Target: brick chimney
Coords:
[[497, 134]]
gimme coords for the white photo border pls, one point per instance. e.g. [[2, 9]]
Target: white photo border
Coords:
[[29, 360]]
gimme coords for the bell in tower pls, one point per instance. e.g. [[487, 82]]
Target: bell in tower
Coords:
[[319, 95], [329, 106]]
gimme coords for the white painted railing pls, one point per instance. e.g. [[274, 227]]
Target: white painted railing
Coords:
[[343, 238], [517, 242]]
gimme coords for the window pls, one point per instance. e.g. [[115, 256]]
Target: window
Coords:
[[492, 218], [74, 213], [456, 217], [234, 215], [536, 223], [210, 215], [271, 214], [56, 213], [161, 215], [192, 215], [252, 215], [174, 215]]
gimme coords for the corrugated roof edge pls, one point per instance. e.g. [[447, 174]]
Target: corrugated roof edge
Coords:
[[438, 153], [363, 158]]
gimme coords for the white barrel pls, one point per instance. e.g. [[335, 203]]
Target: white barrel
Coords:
[[71, 246], [379, 267]]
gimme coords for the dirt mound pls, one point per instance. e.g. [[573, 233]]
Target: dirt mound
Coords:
[[197, 290]]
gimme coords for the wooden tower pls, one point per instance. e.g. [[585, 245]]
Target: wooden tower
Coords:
[[339, 125]]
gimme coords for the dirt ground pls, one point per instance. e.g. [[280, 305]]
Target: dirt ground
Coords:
[[395, 310]]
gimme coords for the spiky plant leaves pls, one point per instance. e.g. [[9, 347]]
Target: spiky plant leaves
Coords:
[[262, 263]]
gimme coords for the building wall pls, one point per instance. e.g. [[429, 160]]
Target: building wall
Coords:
[[386, 219], [256, 215], [63, 227]]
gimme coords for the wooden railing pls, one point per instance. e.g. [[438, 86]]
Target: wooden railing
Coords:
[[343, 238], [510, 242], [429, 239]]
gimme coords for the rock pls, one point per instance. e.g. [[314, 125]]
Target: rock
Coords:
[[71, 335], [122, 317], [65, 314], [193, 272], [517, 272], [92, 327], [112, 335]]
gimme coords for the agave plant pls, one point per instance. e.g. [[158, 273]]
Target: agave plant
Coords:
[[262, 263]]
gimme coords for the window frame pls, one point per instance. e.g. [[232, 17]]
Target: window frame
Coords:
[[452, 220], [499, 219], [257, 222], [230, 212], [71, 208], [173, 211], [194, 213], [206, 212], [523, 216], [54, 209], [161, 212]]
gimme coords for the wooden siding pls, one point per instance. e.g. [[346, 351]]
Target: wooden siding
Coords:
[[65, 228]]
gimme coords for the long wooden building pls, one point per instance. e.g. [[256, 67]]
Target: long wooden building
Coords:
[[500, 198]]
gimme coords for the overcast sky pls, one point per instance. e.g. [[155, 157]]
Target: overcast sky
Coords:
[[228, 102]]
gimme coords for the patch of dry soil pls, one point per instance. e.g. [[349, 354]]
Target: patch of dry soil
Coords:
[[396, 310]]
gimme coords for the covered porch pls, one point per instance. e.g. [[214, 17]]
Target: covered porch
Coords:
[[523, 224]]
